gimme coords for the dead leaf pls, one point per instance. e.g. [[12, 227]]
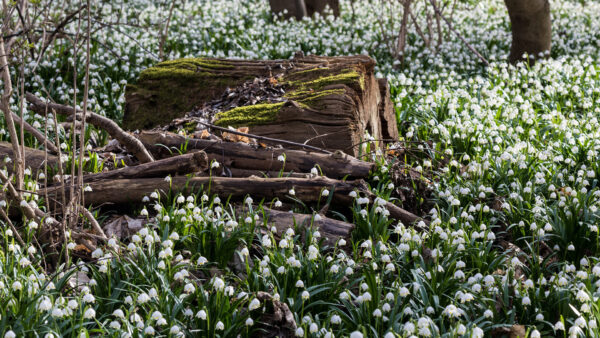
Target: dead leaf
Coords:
[[238, 138]]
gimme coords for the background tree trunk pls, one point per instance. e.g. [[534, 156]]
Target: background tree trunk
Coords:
[[299, 8], [531, 27]]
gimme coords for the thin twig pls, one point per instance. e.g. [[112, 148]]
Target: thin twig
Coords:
[[471, 48], [268, 139]]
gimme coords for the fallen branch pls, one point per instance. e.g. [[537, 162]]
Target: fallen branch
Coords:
[[128, 191], [183, 164], [34, 158], [331, 230], [245, 156], [266, 139], [131, 143], [36, 133]]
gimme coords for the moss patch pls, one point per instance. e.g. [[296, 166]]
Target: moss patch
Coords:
[[249, 115], [183, 69], [311, 99], [348, 76]]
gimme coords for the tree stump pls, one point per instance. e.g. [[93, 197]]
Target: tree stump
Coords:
[[329, 102]]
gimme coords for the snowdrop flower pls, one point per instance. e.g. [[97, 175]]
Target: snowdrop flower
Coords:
[[254, 304], [89, 313]]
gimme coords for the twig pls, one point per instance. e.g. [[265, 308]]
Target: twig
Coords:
[[165, 34], [459, 35], [131, 143], [88, 215], [264, 138]]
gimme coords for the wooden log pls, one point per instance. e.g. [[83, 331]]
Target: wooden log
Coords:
[[248, 157], [177, 165], [329, 102], [128, 191], [331, 230], [34, 158]]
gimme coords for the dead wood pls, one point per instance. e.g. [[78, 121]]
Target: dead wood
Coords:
[[128, 191], [324, 102], [245, 156], [331, 230], [37, 134], [131, 143], [177, 165], [34, 158]]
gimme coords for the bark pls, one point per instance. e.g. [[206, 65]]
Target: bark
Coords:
[[34, 158], [248, 157], [37, 134], [177, 165], [329, 102], [300, 8], [531, 28], [331, 230], [131, 143], [128, 191]]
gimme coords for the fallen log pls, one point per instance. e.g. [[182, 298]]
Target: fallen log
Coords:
[[34, 158], [245, 156], [331, 230], [131, 143], [177, 165], [128, 191]]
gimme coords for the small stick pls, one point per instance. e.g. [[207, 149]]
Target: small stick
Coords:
[[264, 138]]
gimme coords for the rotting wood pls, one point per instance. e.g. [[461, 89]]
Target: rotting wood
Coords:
[[177, 165], [34, 158], [331, 230], [129, 191], [330, 102], [248, 157]]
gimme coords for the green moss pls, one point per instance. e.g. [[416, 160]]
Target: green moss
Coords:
[[346, 77], [249, 115], [312, 99], [196, 62], [183, 69]]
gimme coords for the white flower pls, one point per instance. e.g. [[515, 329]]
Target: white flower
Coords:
[[299, 332], [281, 158], [201, 315], [249, 322], [220, 326], [356, 334], [254, 304], [214, 164], [89, 313], [10, 334], [292, 192], [305, 295]]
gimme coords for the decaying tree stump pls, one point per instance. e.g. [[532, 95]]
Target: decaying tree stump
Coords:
[[329, 102]]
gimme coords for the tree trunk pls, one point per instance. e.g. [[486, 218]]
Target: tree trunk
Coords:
[[299, 8], [531, 28]]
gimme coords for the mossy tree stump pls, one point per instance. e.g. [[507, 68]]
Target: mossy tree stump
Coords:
[[331, 101]]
